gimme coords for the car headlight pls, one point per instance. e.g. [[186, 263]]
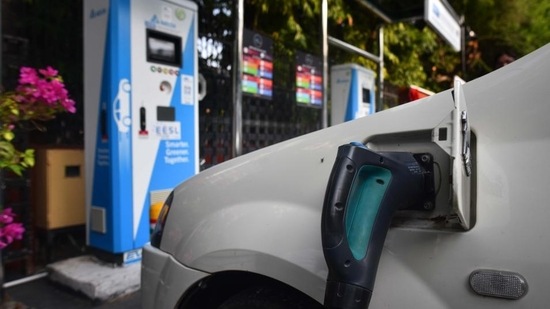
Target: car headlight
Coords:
[[156, 237]]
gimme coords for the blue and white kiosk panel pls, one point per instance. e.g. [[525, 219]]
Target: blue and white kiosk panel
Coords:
[[352, 89], [141, 112]]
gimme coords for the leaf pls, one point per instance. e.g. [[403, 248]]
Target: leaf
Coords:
[[28, 158], [8, 135], [18, 170], [6, 151]]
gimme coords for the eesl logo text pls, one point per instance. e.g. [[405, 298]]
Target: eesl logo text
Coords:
[[168, 130]]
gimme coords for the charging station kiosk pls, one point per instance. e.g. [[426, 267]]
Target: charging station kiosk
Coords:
[[141, 111], [352, 92]]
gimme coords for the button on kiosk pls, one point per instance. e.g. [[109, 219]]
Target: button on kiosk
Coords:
[[141, 111]]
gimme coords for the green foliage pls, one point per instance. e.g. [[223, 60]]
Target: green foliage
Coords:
[[535, 30], [405, 49], [518, 27], [413, 55], [10, 157], [13, 159], [291, 21]]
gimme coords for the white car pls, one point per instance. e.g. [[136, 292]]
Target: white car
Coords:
[[287, 226]]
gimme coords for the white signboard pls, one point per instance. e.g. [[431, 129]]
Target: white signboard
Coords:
[[443, 22]]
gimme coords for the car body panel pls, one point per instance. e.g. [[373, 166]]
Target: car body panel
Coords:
[[268, 203], [163, 279], [261, 212]]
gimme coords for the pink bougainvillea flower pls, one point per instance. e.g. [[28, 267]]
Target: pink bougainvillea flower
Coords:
[[68, 104], [47, 89], [28, 76], [12, 232], [48, 72], [7, 216], [54, 91]]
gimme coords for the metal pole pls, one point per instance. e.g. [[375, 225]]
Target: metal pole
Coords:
[[352, 49], [13, 283], [380, 69], [463, 46], [376, 11], [237, 80], [324, 39]]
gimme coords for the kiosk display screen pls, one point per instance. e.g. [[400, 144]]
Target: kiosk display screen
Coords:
[[258, 65], [309, 80], [163, 48]]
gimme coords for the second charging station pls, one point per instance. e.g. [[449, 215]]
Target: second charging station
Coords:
[[352, 89]]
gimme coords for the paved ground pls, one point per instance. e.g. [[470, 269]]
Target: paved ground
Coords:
[[65, 258], [46, 294], [95, 278]]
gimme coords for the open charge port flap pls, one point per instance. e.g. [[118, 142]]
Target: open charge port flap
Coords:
[[452, 145], [440, 215]]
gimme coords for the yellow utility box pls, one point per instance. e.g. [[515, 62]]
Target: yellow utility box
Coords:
[[58, 188]]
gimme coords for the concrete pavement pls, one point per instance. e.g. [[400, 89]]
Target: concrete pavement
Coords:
[[96, 279], [80, 282], [47, 294]]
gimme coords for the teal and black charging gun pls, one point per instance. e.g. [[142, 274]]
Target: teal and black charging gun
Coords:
[[364, 190]]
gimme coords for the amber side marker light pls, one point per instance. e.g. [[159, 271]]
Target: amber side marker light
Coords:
[[156, 236], [500, 284]]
